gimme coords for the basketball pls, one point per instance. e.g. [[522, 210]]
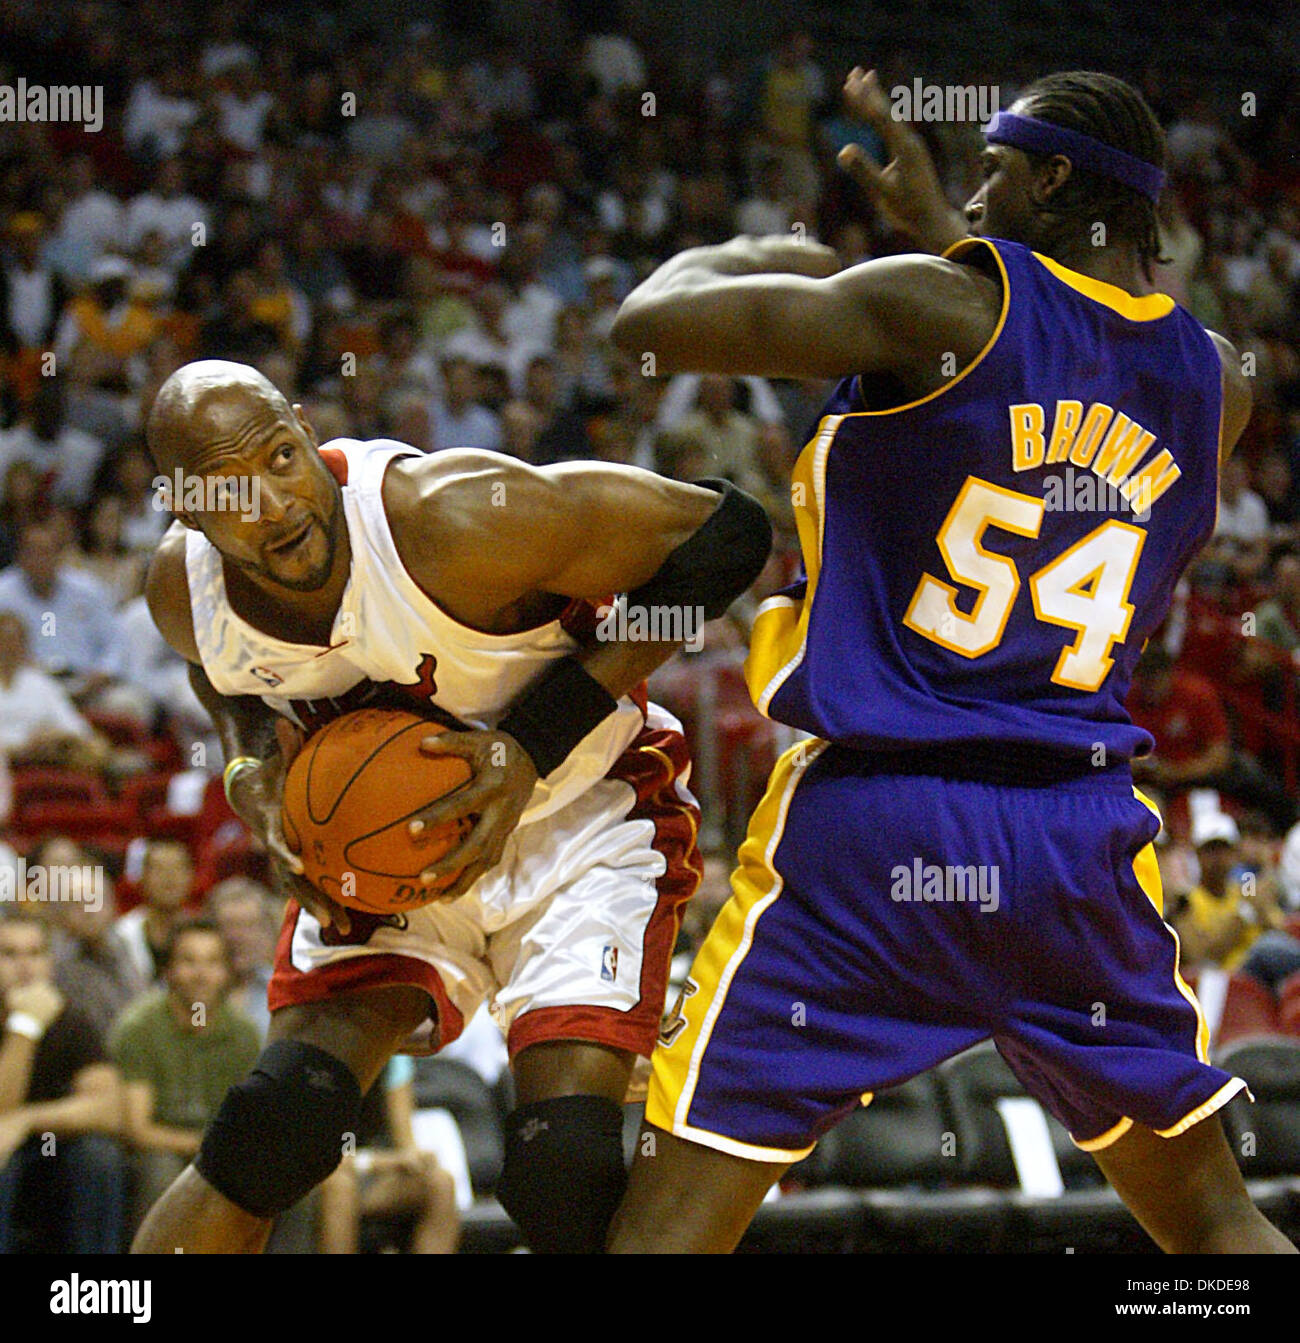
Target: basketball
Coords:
[[349, 796]]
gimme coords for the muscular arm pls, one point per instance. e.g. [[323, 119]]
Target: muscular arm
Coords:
[[758, 306], [95, 1105], [489, 538], [16, 1055]]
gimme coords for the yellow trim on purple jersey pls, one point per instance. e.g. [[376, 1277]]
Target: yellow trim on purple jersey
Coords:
[[779, 635], [1135, 307], [755, 885]]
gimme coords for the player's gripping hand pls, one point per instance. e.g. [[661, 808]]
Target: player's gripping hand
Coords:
[[907, 189], [493, 800], [257, 796]]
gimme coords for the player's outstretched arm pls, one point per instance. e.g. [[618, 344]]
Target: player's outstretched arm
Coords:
[[247, 728], [746, 307]]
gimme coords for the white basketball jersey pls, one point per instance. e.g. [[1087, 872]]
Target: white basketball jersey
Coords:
[[390, 645]]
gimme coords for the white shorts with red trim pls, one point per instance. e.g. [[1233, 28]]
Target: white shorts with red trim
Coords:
[[569, 937]]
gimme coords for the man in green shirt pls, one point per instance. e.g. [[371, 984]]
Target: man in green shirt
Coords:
[[179, 1050]]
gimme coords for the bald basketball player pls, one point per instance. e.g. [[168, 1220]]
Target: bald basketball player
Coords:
[[465, 584]]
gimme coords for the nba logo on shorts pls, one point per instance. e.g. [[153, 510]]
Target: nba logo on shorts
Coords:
[[609, 964]]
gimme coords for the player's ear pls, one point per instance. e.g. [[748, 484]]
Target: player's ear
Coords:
[[301, 416], [165, 490], [1051, 177]]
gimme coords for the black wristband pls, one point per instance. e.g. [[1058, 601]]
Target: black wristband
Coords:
[[555, 714]]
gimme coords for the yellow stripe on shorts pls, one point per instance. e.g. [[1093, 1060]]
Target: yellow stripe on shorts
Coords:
[[755, 885]]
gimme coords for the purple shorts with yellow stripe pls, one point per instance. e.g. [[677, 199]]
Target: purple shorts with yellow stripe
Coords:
[[882, 922]]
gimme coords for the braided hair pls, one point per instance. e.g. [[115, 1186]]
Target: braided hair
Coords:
[[1114, 112]]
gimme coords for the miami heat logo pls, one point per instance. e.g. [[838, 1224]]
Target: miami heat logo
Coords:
[[413, 696]]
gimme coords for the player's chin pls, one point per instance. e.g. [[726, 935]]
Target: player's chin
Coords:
[[305, 568]]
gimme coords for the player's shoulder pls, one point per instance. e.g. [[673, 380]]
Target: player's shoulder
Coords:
[[912, 277], [458, 495], [167, 592]]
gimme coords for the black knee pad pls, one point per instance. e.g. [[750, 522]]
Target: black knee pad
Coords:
[[280, 1131], [564, 1173]]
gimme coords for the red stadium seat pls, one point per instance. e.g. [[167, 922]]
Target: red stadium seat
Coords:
[[40, 784], [1249, 1009]]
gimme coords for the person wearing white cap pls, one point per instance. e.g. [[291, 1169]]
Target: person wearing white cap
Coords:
[[1231, 920]]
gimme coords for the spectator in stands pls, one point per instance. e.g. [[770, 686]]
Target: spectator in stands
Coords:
[[388, 1176], [1232, 918], [107, 329], [91, 222], [65, 457], [102, 549], [235, 331], [769, 209], [32, 293], [459, 421], [92, 965], [1184, 712], [68, 614], [1277, 618], [1238, 550], [179, 1049], [732, 436], [563, 434], [62, 1173], [159, 112], [166, 883], [39, 724], [170, 210], [248, 918]]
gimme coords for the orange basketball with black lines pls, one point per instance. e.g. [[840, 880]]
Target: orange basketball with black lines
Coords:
[[349, 797]]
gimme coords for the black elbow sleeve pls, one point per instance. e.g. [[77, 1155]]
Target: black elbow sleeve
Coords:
[[713, 566]]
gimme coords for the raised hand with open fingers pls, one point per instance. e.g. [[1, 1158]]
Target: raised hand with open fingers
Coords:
[[906, 190]]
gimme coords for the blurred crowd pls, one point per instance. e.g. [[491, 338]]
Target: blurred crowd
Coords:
[[425, 234]]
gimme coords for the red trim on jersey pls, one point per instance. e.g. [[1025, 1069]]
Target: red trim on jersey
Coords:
[[580, 618], [290, 986], [652, 764], [337, 462]]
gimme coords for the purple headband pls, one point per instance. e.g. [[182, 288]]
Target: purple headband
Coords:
[[1043, 137]]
